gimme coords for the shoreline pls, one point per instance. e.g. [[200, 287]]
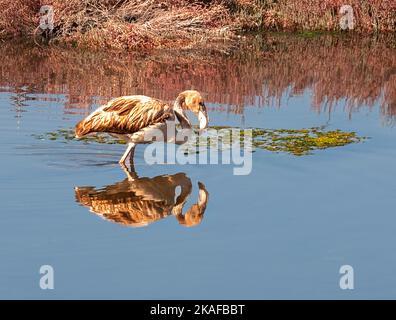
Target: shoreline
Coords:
[[141, 25]]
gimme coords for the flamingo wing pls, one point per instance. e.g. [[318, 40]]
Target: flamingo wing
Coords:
[[125, 115]]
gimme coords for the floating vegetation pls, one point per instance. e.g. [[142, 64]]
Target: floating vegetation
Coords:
[[299, 141], [68, 135], [293, 141]]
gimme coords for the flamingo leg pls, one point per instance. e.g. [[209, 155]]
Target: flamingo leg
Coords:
[[129, 150]]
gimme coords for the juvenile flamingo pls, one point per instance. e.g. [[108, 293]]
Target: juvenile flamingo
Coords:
[[131, 117]]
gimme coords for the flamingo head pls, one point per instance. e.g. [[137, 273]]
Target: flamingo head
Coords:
[[193, 101]]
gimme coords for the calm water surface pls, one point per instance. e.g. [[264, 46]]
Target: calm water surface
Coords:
[[281, 232]]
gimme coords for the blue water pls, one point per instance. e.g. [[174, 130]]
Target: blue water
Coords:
[[283, 231]]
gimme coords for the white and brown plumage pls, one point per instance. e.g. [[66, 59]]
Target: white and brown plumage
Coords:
[[131, 117]]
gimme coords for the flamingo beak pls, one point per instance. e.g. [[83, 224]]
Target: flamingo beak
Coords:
[[203, 118]]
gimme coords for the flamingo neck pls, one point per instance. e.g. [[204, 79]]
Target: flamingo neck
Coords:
[[181, 115]]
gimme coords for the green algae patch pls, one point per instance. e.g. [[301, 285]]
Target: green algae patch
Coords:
[[297, 142], [68, 135]]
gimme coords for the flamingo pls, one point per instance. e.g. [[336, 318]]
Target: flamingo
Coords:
[[131, 117]]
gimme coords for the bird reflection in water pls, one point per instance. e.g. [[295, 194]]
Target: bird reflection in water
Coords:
[[137, 202]]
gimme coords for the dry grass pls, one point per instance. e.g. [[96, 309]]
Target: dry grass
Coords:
[[140, 24], [370, 15], [123, 24], [147, 24], [18, 18]]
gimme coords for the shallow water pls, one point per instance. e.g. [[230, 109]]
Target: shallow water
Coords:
[[283, 231]]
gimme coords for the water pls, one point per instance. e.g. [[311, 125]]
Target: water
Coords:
[[283, 231]]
